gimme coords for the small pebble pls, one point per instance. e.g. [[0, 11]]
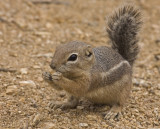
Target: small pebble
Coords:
[[36, 120], [36, 67], [49, 25], [83, 124], [158, 86], [80, 107], [91, 117], [157, 57], [62, 94], [157, 92], [143, 83], [49, 125], [135, 82], [24, 70], [27, 83], [136, 89], [40, 79], [11, 90], [19, 76], [140, 82]]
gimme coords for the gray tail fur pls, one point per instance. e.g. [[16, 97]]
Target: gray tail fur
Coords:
[[123, 27]]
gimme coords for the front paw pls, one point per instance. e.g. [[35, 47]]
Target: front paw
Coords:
[[57, 76], [47, 76]]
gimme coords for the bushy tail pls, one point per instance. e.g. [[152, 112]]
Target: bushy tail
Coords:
[[122, 29]]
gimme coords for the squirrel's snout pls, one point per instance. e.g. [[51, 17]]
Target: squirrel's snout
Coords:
[[52, 66]]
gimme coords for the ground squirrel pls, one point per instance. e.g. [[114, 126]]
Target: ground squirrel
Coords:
[[103, 74]]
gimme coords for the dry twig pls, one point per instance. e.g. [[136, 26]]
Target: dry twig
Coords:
[[7, 70], [49, 2]]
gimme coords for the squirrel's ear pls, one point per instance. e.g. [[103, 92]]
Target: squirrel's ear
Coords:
[[88, 51]]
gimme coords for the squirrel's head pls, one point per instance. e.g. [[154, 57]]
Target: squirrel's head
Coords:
[[72, 59]]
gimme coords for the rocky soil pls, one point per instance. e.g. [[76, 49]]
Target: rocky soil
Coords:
[[29, 32]]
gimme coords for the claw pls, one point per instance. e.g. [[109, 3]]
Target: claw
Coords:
[[112, 115], [71, 103], [59, 105]]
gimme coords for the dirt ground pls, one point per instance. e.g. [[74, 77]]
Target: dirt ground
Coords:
[[29, 32]]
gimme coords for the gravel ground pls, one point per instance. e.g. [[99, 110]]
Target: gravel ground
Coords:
[[29, 33]]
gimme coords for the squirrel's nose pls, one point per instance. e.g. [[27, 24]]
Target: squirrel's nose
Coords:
[[52, 65]]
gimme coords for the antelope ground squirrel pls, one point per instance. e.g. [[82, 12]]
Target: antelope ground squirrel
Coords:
[[103, 74]]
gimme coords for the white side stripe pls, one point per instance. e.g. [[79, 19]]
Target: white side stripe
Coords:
[[104, 74]]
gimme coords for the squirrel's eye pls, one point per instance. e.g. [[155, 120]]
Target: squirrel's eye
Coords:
[[89, 54], [73, 57]]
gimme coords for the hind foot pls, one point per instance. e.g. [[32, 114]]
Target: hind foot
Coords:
[[114, 113]]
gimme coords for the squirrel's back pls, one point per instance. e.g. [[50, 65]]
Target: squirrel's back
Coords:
[[106, 55], [123, 27]]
